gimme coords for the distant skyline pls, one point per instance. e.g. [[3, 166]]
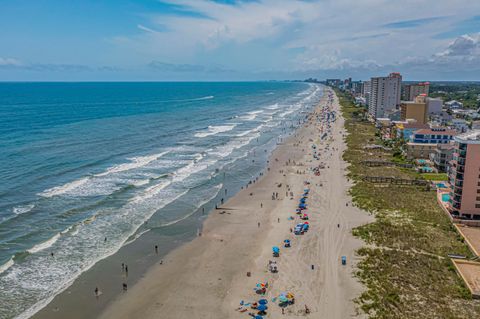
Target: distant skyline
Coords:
[[204, 40]]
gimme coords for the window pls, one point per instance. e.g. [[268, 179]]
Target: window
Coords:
[[477, 205]]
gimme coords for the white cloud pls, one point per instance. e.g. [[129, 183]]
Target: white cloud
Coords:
[[144, 28], [463, 46], [9, 62]]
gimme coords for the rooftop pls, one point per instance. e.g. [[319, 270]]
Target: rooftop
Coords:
[[471, 137], [436, 132], [413, 125]]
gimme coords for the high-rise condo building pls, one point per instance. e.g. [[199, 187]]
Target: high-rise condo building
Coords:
[[465, 175], [411, 91], [384, 95]]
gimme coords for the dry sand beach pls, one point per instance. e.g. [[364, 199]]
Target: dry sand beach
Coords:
[[207, 278]]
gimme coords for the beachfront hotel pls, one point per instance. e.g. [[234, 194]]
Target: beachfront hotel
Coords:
[[423, 142], [465, 176], [384, 95]]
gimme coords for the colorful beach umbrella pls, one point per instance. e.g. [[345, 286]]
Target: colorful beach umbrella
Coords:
[[263, 301], [282, 298]]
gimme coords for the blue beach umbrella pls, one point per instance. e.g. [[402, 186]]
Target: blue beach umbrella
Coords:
[[263, 301], [262, 308], [258, 317]]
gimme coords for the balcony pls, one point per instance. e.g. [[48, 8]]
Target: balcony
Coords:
[[456, 205], [459, 176], [458, 184], [458, 191], [461, 161], [457, 199]]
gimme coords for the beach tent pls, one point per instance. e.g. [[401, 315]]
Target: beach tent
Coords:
[[276, 250]]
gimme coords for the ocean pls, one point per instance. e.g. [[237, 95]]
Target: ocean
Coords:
[[87, 168]]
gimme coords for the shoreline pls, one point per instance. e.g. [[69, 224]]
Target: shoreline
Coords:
[[208, 274], [78, 300]]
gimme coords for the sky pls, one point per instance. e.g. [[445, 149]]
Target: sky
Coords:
[[221, 40]]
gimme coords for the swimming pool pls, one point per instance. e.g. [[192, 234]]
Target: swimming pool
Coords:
[[445, 197]]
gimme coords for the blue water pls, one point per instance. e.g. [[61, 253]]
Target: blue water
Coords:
[[83, 161]]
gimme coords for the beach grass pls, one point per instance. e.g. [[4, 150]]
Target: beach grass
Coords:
[[435, 176], [405, 265]]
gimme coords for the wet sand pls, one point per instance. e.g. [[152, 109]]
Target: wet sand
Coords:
[[207, 277]]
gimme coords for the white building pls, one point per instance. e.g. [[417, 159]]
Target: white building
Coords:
[[384, 95], [434, 106], [460, 125], [476, 125], [454, 105]]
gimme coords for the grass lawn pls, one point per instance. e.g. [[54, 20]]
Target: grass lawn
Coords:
[[405, 266], [435, 176]]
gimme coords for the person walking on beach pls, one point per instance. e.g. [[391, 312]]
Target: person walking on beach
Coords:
[[156, 249], [96, 292], [258, 224], [126, 270]]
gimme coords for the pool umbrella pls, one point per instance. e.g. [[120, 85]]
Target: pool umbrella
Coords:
[[263, 301], [262, 308]]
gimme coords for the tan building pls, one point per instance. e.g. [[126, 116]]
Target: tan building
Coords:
[[416, 110], [411, 91], [420, 150], [465, 175]]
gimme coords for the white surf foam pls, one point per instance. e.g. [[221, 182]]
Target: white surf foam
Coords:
[[273, 107], [103, 183], [44, 245], [135, 162], [6, 265], [22, 209], [213, 130], [173, 222], [66, 188]]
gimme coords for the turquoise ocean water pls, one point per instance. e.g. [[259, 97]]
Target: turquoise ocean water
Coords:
[[83, 161]]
